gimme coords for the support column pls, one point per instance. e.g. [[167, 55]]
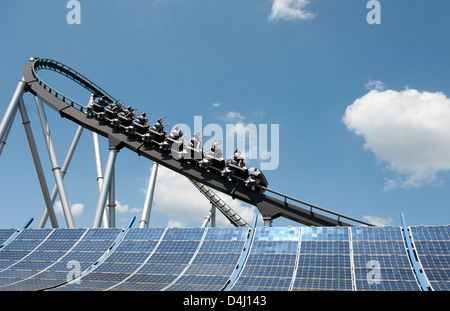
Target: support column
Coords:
[[98, 164], [64, 169], [112, 201], [38, 165], [149, 197], [213, 216], [267, 221], [10, 113], [105, 186], [55, 166]]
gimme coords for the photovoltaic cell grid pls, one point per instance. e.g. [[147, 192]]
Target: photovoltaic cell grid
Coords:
[[61, 255], [214, 262], [165, 264], [381, 260], [5, 234], [432, 244], [324, 260], [130, 254], [271, 261], [34, 253]]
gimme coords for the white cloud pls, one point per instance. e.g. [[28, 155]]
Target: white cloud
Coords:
[[76, 209], [217, 104], [233, 116], [290, 10], [377, 221], [123, 208], [176, 197], [409, 130], [375, 85]]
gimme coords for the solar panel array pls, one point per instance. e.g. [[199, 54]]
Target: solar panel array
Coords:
[[381, 260], [271, 261], [433, 247], [43, 258], [324, 261], [213, 259]]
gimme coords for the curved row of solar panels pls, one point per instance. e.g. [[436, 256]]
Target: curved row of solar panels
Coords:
[[195, 259]]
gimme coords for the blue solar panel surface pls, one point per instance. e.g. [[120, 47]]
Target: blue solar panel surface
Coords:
[[433, 247], [271, 261], [204, 259], [381, 260]]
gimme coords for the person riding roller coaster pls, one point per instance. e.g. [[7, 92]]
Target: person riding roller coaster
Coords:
[[196, 140], [238, 158], [117, 106], [159, 126]]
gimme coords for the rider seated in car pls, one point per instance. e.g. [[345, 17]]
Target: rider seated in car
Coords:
[[196, 140], [129, 112], [142, 120], [159, 126], [237, 157]]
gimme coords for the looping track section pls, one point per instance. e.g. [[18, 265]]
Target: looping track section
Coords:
[[269, 207]]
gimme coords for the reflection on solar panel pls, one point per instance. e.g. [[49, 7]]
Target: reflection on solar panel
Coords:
[[324, 262], [432, 244], [381, 261], [271, 261]]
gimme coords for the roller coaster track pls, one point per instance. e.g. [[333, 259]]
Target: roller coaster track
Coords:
[[270, 207]]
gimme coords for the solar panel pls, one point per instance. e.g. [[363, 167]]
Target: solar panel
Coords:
[[214, 261], [5, 234], [324, 261], [166, 262], [381, 260], [129, 256], [432, 244], [271, 260], [28, 273]]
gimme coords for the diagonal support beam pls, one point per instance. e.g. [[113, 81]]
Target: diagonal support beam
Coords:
[[37, 164], [145, 218], [54, 162], [10, 113], [64, 169]]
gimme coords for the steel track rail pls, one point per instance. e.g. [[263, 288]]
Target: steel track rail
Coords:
[[269, 207]]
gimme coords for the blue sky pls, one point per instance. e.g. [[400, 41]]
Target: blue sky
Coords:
[[361, 108]]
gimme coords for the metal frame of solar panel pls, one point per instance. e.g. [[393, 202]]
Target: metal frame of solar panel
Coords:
[[432, 244], [270, 264], [381, 261], [324, 261]]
